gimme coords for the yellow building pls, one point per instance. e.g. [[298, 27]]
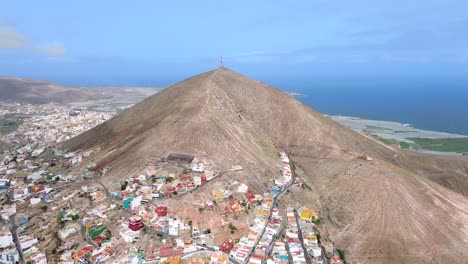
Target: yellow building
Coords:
[[309, 214], [238, 208], [174, 260], [218, 195], [219, 257]]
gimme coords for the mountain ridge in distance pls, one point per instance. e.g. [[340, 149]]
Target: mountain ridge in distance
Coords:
[[26, 90], [392, 208]]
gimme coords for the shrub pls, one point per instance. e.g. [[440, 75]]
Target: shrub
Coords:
[[342, 254], [168, 180]]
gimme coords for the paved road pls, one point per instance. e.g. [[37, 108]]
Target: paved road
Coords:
[[278, 236], [301, 238], [232, 260], [83, 230], [290, 259], [15, 237]]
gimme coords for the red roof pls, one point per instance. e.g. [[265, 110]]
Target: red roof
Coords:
[[161, 210], [249, 195], [227, 246]]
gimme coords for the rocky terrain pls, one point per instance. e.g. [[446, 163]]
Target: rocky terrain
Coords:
[[381, 204]]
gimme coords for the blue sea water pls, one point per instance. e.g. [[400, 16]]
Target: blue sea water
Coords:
[[437, 104]]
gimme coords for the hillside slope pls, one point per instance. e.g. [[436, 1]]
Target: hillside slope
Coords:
[[40, 92], [381, 211]]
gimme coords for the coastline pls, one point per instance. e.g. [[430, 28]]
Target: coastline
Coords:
[[407, 137]]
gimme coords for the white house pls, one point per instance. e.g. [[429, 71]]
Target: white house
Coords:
[[27, 241], [198, 167], [243, 188], [316, 251], [197, 180], [6, 239]]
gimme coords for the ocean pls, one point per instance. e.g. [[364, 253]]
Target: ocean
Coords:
[[429, 104]]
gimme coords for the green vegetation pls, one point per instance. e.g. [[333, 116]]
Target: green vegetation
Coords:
[[123, 186], [342, 254], [388, 141], [293, 166], [168, 180], [233, 228], [44, 208], [459, 145], [405, 145], [10, 127], [306, 187]]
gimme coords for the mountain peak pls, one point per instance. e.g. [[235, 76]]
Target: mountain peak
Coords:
[[229, 119]]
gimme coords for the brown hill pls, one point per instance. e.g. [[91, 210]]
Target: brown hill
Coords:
[[40, 92], [392, 209]]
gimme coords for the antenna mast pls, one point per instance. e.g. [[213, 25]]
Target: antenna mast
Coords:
[[221, 62]]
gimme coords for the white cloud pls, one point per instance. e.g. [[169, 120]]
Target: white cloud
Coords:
[[54, 49], [10, 39]]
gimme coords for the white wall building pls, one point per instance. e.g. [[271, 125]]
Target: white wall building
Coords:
[[6, 239]]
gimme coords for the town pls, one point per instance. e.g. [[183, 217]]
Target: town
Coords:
[[51, 216]]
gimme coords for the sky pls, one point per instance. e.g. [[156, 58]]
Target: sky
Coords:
[[159, 42]]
